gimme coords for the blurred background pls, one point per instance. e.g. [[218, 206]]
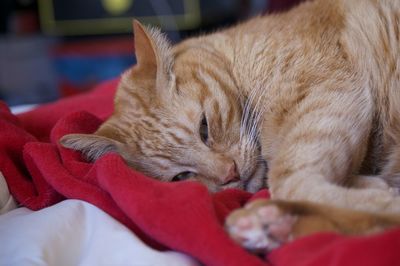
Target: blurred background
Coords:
[[50, 49]]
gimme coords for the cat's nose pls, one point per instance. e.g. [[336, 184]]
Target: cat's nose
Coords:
[[232, 175]]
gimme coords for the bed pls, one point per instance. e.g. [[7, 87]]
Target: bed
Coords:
[[58, 209]]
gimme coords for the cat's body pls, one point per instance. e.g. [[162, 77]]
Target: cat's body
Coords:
[[315, 92], [328, 75]]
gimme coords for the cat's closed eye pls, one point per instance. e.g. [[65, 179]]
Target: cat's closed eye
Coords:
[[203, 130], [183, 176]]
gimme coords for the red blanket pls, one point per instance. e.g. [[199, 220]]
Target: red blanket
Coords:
[[181, 216]]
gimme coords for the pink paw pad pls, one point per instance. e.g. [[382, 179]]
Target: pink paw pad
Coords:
[[260, 228], [244, 223], [268, 213]]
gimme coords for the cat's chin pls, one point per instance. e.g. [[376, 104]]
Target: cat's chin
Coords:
[[258, 179]]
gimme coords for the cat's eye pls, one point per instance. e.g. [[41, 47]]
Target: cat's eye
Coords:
[[183, 176], [203, 130]]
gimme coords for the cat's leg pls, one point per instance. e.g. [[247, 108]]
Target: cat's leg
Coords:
[[367, 181], [388, 179], [311, 185], [263, 225], [319, 147], [391, 170]]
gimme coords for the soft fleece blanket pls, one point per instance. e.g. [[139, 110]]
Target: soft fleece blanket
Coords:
[[181, 216]]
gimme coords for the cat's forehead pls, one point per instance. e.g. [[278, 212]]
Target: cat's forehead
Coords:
[[189, 56]]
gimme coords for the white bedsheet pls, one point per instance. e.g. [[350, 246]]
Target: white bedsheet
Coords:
[[74, 232], [7, 202]]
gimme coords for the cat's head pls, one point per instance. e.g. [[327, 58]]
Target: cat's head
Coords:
[[178, 116]]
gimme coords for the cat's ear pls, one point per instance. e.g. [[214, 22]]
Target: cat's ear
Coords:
[[153, 52], [92, 146]]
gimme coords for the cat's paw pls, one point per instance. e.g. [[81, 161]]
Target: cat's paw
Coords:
[[394, 182], [260, 226]]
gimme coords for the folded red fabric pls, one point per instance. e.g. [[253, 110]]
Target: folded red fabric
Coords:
[[182, 216]]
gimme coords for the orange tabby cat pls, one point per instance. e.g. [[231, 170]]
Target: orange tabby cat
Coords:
[[315, 92]]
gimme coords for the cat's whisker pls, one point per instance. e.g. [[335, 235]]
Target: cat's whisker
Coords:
[[252, 119]]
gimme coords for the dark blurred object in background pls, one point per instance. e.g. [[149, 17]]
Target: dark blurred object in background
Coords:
[[281, 5], [82, 63], [80, 43]]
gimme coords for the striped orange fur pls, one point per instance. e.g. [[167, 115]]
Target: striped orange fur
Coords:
[[315, 92]]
